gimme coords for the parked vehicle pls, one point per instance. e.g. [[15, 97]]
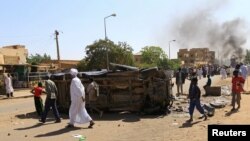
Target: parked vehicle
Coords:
[[147, 90]]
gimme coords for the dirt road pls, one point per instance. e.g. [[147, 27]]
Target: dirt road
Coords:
[[18, 121]]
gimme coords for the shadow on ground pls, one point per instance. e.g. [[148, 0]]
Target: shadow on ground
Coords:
[[124, 116], [34, 115], [33, 126], [107, 116], [59, 132], [189, 124], [229, 113]]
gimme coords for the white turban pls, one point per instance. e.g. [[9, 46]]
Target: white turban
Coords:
[[73, 72]]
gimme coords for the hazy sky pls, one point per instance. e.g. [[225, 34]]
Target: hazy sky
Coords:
[[140, 23]]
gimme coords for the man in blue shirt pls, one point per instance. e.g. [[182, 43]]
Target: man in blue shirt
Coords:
[[194, 97]]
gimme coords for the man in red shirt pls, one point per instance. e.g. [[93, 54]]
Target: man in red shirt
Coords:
[[37, 91], [237, 88]]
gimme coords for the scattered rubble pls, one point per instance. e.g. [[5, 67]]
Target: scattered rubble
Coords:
[[209, 103], [226, 90]]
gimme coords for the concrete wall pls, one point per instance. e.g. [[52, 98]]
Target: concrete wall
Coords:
[[1, 59]]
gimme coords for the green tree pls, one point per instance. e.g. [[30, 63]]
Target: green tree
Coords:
[[37, 59], [163, 63], [173, 64], [152, 55], [82, 65], [96, 58], [247, 57]]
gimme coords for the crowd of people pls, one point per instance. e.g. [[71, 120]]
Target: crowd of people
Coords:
[[77, 111], [239, 75], [79, 115]]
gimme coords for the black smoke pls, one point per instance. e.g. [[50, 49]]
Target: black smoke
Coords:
[[199, 29]]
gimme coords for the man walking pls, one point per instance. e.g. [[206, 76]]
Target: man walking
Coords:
[[50, 102], [77, 112], [37, 91], [194, 96]]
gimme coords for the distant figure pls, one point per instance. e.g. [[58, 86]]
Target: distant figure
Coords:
[[185, 71], [194, 96], [37, 91], [223, 73], [8, 86], [244, 71], [50, 102], [209, 82], [237, 68], [237, 88], [93, 92], [212, 71], [180, 80], [77, 112], [199, 73]]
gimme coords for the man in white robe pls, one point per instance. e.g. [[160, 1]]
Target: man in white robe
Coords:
[[223, 73], [199, 73], [77, 112], [8, 86]]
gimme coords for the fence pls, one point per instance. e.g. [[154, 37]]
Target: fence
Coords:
[[34, 77]]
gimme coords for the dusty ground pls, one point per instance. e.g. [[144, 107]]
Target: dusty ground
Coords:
[[19, 122]]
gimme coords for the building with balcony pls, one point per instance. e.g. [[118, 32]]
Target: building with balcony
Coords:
[[196, 56]]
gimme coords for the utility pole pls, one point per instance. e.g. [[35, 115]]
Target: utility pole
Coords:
[[106, 39], [57, 47]]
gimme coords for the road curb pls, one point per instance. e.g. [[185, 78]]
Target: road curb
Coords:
[[3, 97]]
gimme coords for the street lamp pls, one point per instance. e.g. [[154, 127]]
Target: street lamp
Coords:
[[112, 15], [106, 38], [169, 47]]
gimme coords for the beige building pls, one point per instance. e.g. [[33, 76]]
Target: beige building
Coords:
[[196, 56], [53, 66], [14, 54], [138, 57]]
